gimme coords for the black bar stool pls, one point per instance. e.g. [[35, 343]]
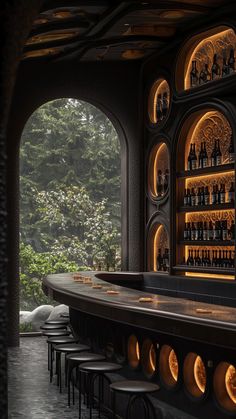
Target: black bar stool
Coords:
[[53, 326], [62, 322], [57, 340], [65, 316], [95, 370], [66, 348], [73, 361], [135, 390]]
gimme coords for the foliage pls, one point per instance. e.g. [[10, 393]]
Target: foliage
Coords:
[[70, 194], [26, 327]]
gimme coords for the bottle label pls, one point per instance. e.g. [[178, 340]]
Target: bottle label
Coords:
[[185, 201], [218, 160], [198, 200], [194, 164], [205, 162], [193, 235], [210, 235], [222, 198], [224, 235], [189, 165], [207, 199], [213, 162], [193, 201], [216, 235], [205, 235], [185, 234], [230, 196]]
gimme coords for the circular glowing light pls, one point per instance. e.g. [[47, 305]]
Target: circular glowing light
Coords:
[[169, 367], [173, 364], [200, 374], [230, 382]]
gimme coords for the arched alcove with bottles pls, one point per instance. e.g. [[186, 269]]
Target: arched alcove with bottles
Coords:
[[158, 248], [205, 197], [159, 101], [206, 57], [158, 171]]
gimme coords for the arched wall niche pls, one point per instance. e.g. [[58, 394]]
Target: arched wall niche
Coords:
[[157, 238], [202, 48]]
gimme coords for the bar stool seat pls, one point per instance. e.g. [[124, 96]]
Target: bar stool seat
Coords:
[[65, 316], [59, 332], [62, 322], [53, 326], [94, 370], [56, 340], [136, 390], [66, 348], [74, 360]]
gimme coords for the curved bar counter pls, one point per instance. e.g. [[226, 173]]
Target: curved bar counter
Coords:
[[183, 345]]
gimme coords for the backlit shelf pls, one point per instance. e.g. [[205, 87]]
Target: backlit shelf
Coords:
[[205, 269], [215, 243], [204, 208], [206, 171]]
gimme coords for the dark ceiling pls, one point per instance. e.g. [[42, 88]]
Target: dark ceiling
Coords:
[[103, 30]]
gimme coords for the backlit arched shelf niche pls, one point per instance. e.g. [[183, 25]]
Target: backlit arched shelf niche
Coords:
[[206, 57], [224, 383], [158, 171], [195, 377], [158, 249], [159, 101]]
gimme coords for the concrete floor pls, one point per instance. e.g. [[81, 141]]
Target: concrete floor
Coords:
[[31, 396]]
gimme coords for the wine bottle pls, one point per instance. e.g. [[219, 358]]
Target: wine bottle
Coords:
[[216, 231], [231, 193], [210, 231], [159, 107], [222, 193], [193, 197], [189, 258], [205, 231], [189, 197], [214, 195], [207, 74], [200, 157], [194, 75], [200, 231], [232, 231], [185, 198], [224, 230], [213, 155], [193, 232], [205, 156], [206, 196], [190, 155], [225, 67], [165, 104], [215, 69], [202, 199], [185, 231], [208, 258], [218, 154], [231, 151], [159, 184], [159, 260], [202, 76], [217, 194], [166, 180], [189, 231], [231, 61], [194, 158], [198, 198]]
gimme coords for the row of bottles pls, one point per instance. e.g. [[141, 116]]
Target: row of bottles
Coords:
[[214, 258], [203, 196], [163, 262], [204, 230], [162, 106], [203, 160], [162, 182], [215, 72]]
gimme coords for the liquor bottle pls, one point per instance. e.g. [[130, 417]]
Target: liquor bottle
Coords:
[[202, 199], [159, 261], [217, 194], [200, 157], [214, 257], [206, 196], [213, 155], [202, 76], [214, 195], [166, 181], [232, 231], [159, 183], [189, 258], [198, 198], [189, 231], [200, 231], [231, 61], [198, 261], [190, 155], [205, 156], [185, 231], [167, 258], [208, 258], [189, 197], [222, 193], [203, 262], [159, 107], [216, 231], [205, 231], [224, 230], [231, 151], [218, 154], [225, 67], [193, 232], [193, 197], [194, 75], [207, 74], [215, 69], [194, 158], [185, 198], [219, 261], [230, 261], [231, 193], [165, 104], [210, 231]]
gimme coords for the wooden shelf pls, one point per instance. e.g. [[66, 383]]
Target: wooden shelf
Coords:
[[204, 269], [207, 171], [207, 242], [204, 208]]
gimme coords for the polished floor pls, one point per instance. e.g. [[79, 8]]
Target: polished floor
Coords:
[[31, 396]]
